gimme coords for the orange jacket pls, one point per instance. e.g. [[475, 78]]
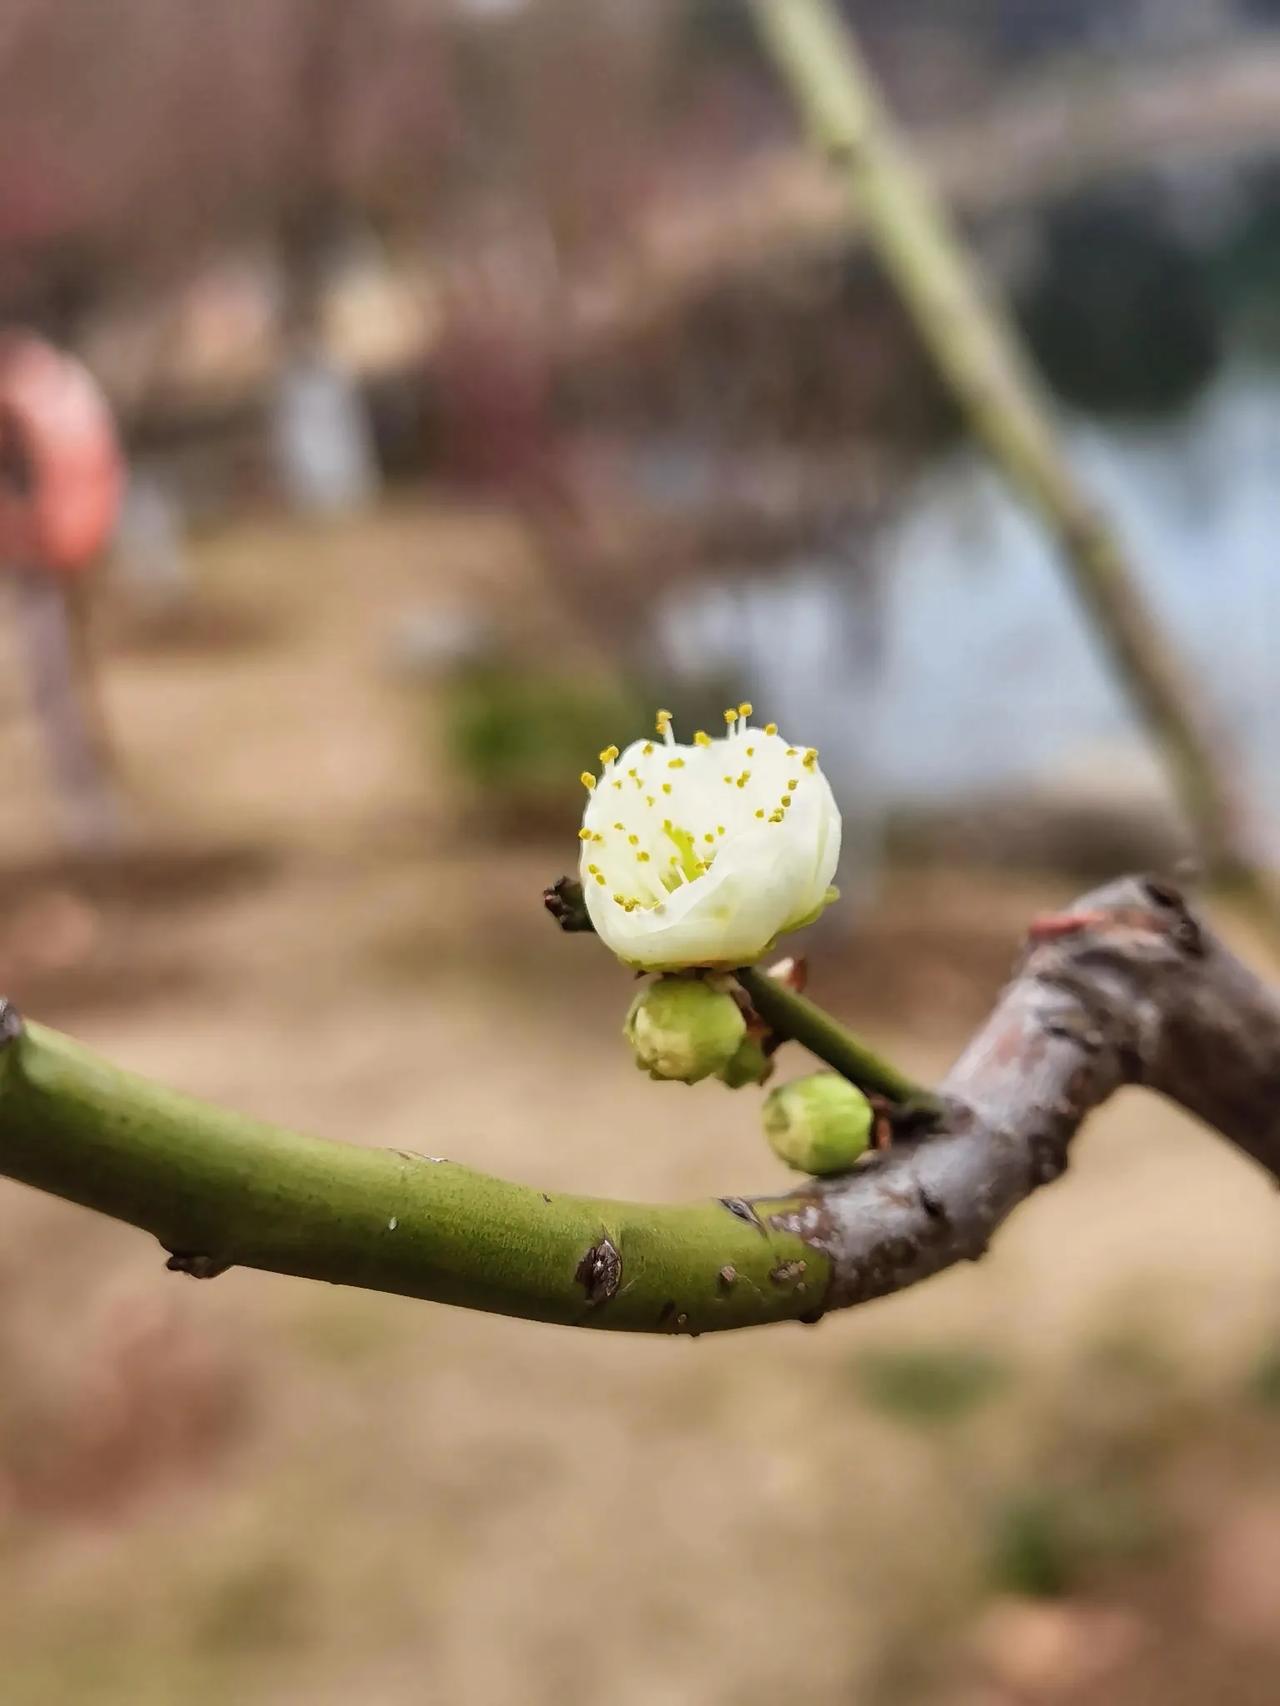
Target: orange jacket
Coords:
[[61, 471]]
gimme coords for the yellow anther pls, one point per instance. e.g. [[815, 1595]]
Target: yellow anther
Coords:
[[759, 811], [608, 755], [643, 858], [648, 749], [619, 826], [793, 752], [594, 870], [746, 708], [731, 716], [633, 771], [775, 817], [634, 840], [702, 738], [620, 900], [618, 786], [793, 781], [751, 752], [709, 838], [771, 728], [587, 779], [584, 835], [727, 778], [648, 800], [786, 799], [666, 787], [600, 878], [675, 764], [663, 718], [720, 829]]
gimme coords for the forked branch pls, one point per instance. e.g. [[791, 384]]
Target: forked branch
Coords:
[[1130, 986]]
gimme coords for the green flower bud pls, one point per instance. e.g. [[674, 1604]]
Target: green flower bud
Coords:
[[684, 1028], [750, 1065], [818, 1125]]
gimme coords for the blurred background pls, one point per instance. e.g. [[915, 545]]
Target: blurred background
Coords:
[[486, 375]]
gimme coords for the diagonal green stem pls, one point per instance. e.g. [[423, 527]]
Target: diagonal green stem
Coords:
[[979, 355], [800, 1020]]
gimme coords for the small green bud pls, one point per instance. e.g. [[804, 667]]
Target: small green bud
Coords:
[[684, 1028], [818, 1125], [750, 1065]]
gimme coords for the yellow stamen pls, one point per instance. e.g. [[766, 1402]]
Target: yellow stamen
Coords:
[[746, 708], [702, 738], [771, 728], [760, 811], [793, 752], [666, 787], [709, 838], [634, 840], [600, 879], [587, 779], [751, 752], [731, 717], [648, 749], [648, 800], [675, 764], [618, 786], [786, 799], [608, 755], [643, 858], [793, 782], [584, 835]]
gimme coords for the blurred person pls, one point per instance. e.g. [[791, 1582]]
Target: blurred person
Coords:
[[61, 485]]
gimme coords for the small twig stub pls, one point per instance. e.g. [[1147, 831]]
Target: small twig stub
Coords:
[[600, 1271]]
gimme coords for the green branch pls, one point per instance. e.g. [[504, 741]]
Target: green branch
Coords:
[[218, 1190], [791, 1016], [795, 1018], [980, 356]]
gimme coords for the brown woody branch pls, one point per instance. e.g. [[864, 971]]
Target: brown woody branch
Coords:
[[1130, 986]]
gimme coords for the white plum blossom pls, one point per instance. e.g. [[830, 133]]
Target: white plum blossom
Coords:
[[702, 855]]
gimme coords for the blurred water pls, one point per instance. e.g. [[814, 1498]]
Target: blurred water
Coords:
[[964, 663]]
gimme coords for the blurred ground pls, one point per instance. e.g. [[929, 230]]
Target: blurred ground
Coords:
[[1052, 1477]]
